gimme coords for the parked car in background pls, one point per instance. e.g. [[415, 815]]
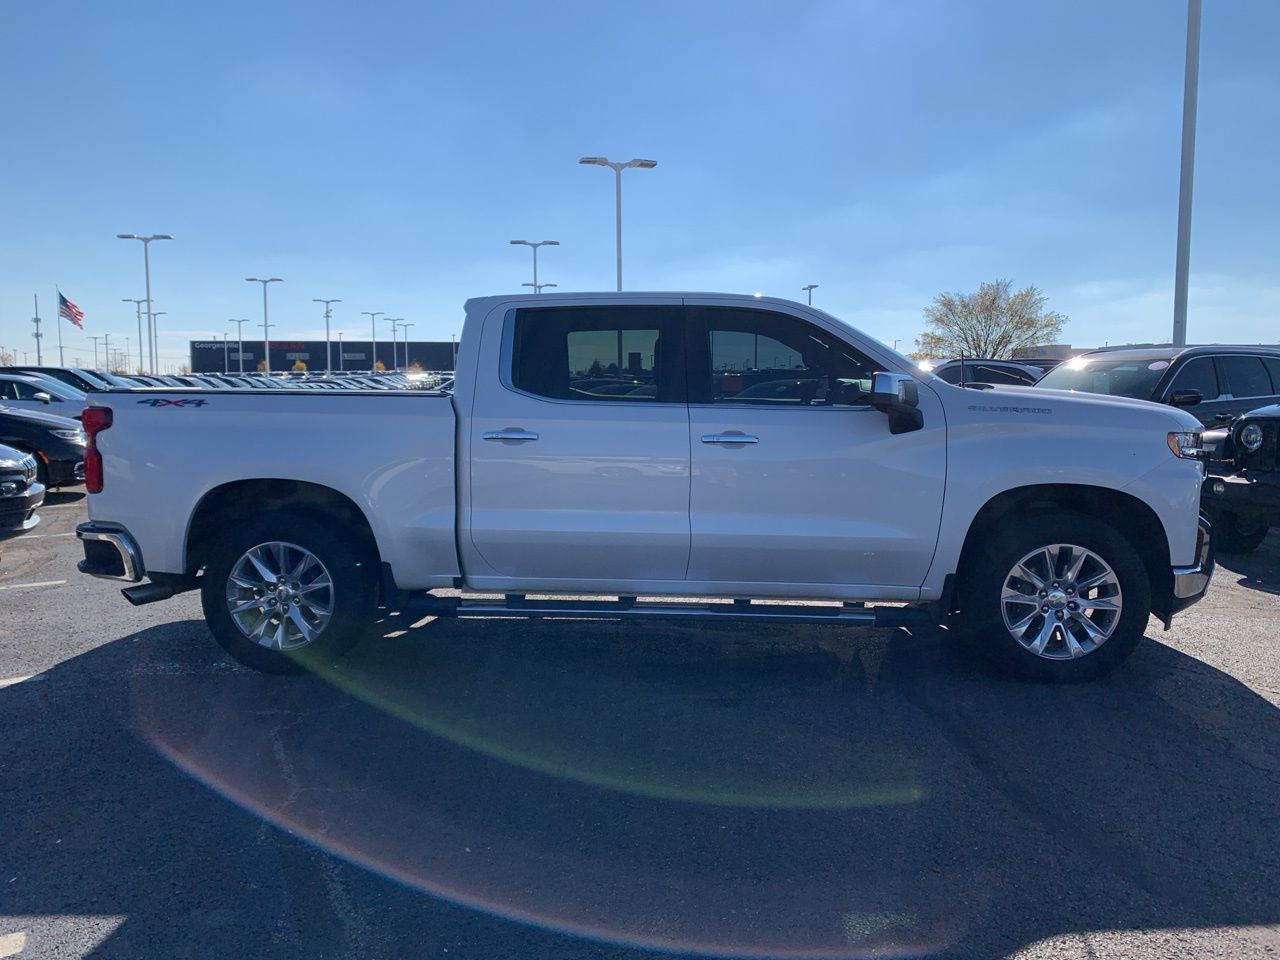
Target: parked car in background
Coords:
[[24, 391], [57, 443], [1214, 383], [1012, 372], [1241, 495], [83, 380], [21, 492]]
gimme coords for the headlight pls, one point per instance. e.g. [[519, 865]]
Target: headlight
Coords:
[[1251, 437], [1185, 444], [75, 436]]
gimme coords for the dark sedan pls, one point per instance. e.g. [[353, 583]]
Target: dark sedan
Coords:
[[57, 443], [21, 493]]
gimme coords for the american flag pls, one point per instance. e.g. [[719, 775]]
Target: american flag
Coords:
[[69, 311]]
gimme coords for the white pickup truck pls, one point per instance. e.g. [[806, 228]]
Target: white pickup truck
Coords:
[[676, 455]]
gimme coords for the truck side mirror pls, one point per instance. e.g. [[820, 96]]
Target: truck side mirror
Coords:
[[898, 397], [1185, 398]]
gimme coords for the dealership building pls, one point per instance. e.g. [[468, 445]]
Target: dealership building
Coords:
[[225, 356]]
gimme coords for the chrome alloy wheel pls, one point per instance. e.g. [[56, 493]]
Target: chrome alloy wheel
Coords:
[[280, 595], [1061, 601]]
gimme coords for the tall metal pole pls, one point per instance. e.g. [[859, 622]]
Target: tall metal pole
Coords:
[[1190, 88], [240, 340], [138, 311], [405, 327], [151, 320], [106, 350], [58, 323], [809, 288], [155, 324], [617, 169], [146, 264], [37, 335], [373, 330], [226, 352], [341, 365], [266, 342], [617, 221], [95, 351], [328, 353]]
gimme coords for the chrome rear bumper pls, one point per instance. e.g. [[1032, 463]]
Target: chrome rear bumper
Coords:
[[110, 553]]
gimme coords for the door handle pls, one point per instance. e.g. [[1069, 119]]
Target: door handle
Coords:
[[729, 438], [510, 435]]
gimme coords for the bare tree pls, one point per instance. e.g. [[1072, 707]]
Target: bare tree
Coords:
[[990, 323]]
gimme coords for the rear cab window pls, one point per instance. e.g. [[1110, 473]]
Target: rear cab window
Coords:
[[599, 354]]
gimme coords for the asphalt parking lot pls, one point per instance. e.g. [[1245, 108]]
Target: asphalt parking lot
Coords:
[[498, 788]]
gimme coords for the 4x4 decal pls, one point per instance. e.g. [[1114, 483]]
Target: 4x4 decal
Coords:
[[162, 402]]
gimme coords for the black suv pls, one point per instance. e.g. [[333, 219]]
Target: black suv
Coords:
[[1214, 383], [1241, 495], [20, 492]]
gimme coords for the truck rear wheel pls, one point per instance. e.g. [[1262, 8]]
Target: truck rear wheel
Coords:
[[1061, 597], [283, 594]]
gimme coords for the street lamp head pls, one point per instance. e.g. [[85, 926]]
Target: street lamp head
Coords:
[[160, 236], [550, 243], [521, 243], [318, 300], [594, 161], [126, 236], [642, 164], [810, 286]]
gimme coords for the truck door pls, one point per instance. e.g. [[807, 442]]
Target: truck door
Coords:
[[579, 456], [796, 478]]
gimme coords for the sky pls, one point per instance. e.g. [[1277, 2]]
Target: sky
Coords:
[[385, 153]]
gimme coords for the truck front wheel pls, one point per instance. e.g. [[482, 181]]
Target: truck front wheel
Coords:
[[283, 595], [1060, 597]]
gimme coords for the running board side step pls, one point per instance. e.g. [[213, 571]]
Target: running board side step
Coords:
[[517, 605]]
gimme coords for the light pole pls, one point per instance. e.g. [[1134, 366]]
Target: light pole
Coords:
[[155, 332], [405, 327], [266, 343], [538, 287], [137, 309], [341, 364], [226, 351], [152, 347], [1182, 259], [454, 338], [534, 247], [95, 351], [240, 340], [809, 288], [373, 329], [395, 357], [106, 350], [617, 169], [328, 354]]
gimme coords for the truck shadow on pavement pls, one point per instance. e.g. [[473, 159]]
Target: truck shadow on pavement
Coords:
[[728, 790]]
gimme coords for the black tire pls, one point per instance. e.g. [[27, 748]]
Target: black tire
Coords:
[[1233, 534], [980, 617], [353, 598]]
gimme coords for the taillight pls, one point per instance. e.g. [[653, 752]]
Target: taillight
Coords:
[[95, 420]]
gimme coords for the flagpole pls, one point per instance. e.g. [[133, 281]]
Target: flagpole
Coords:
[[61, 360], [36, 321]]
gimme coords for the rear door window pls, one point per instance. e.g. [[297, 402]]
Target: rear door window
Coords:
[[1245, 377], [626, 354]]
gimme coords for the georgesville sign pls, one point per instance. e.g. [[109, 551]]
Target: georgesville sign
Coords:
[[215, 356]]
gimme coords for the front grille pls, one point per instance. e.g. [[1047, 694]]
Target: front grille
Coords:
[[1267, 456]]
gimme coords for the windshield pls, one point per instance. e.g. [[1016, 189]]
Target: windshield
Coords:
[[1112, 377]]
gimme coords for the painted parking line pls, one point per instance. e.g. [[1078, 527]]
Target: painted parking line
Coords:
[[32, 586], [14, 681], [12, 944]]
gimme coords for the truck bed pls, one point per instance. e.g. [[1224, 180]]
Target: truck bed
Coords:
[[390, 452]]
